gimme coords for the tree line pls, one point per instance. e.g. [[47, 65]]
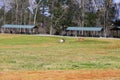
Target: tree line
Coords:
[[59, 13]]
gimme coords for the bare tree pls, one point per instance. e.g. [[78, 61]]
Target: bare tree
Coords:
[[17, 5], [106, 16], [52, 15], [36, 11], [83, 11], [4, 15]]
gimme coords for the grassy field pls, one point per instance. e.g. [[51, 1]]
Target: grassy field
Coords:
[[24, 52]]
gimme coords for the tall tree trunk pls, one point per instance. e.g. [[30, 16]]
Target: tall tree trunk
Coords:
[[106, 16], [36, 11], [30, 18], [22, 10], [51, 26], [105, 24], [83, 13], [52, 15], [16, 1], [4, 15]]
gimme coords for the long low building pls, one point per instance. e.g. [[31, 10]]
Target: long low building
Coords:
[[19, 29], [85, 31], [115, 31]]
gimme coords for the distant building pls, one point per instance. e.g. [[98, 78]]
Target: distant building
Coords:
[[19, 29], [85, 31], [115, 32]]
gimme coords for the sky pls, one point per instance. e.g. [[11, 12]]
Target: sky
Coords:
[[1, 3], [116, 1], [31, 7]]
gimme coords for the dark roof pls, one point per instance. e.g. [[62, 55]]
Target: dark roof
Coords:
[[84, 28], [116, 28], [18, 26]]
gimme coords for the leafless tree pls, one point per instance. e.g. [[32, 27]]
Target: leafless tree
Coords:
[[4, 15], [36, 11]]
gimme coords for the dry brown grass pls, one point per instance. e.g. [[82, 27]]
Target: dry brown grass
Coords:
[[62, 75], [9, 35], [80, 39]]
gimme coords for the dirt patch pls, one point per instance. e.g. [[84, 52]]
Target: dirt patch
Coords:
[[6, 36], [62, 75], [24, 46]]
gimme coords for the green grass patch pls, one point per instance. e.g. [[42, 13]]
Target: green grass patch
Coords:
[[23, 52]]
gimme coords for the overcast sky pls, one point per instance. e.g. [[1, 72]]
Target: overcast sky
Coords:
[[116, 1], [1, 3]]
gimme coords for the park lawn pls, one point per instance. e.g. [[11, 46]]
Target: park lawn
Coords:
[[30, 52]]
